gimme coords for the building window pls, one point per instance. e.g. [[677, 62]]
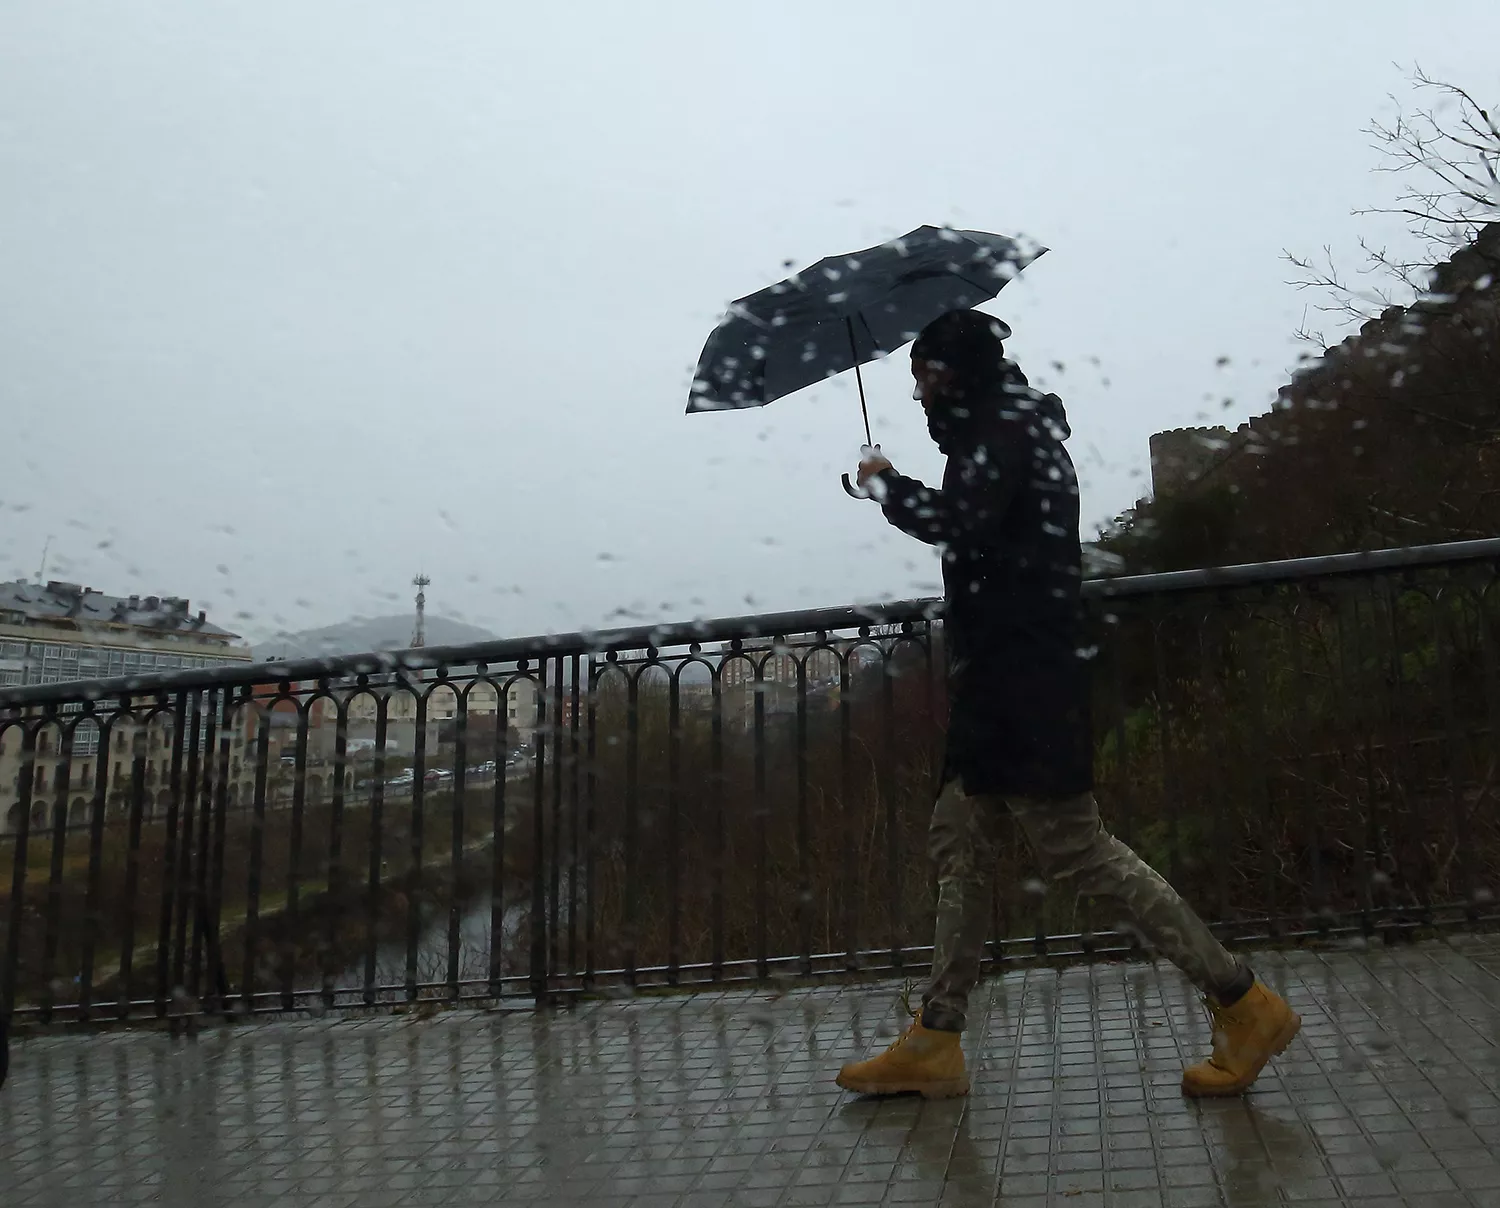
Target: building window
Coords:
[[41, 780], [86, 737]]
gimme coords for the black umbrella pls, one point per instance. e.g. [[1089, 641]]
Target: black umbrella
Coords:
[[846, 310]]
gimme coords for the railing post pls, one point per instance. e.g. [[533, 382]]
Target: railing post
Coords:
[[10, 974], [373, 876], [187, 897], [133, 861], [804, 835], [304, 714], [170, 890], [456, 875], [92, 906], [762, 822], [716, 757], [851, 889], [553, 735], [53, 936], [887, 764], [576, 669], [498, 837], [539, 843], [213, 929], [334, 899], [590, 842], [674, 826], [413, 887]]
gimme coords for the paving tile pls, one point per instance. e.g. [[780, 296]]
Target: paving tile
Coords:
[[1387, 1099]]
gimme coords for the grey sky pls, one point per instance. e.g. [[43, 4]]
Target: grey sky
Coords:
[[296, 299]]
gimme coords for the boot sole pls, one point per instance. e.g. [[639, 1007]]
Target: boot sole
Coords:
[[1285, 1037], [952, 1088]]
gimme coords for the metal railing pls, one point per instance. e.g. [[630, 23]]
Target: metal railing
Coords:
[[1304, 748]]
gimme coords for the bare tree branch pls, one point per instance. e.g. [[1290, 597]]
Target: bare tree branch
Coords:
[[1448, 156], [1461, 152]]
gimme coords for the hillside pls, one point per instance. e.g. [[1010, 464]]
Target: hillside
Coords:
[[1390, 439], [360, 634]]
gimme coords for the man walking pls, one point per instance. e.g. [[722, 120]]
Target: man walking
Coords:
[[1019, 735]]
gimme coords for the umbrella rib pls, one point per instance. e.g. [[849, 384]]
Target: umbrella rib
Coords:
[[981, 288]]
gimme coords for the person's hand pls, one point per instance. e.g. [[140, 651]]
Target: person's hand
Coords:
[[872, 464]]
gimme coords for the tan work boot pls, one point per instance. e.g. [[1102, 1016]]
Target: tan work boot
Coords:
[[923, 1061], [1246, 1036]]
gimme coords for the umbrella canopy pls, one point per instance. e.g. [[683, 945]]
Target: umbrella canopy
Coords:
[[848, 310]]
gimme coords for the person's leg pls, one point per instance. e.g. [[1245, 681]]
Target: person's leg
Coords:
[[961, 843], [928, 1058], [1071, 845], [1251, 1024]]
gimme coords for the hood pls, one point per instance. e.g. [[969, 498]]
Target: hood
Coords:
[[954, 424]]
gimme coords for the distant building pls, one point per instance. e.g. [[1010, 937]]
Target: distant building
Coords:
[[757, 666], [482, 701], [60, 632], [1184, 457], [1100, 563], [1369, 374]]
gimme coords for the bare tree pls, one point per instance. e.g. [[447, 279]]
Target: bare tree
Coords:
[[1447, 156]]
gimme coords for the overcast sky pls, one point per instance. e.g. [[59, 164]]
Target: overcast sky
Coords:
[[297, 299]]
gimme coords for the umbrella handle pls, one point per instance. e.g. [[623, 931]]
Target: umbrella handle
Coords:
[[851, 490]]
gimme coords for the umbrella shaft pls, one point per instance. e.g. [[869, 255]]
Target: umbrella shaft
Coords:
[[859, 378]]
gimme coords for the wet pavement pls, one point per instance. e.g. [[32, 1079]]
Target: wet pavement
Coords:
[[1388, 1097]]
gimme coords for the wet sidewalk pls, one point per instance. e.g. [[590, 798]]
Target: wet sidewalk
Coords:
[[1388, 1097]]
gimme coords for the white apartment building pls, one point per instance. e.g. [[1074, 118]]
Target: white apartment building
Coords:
[[56, 632]]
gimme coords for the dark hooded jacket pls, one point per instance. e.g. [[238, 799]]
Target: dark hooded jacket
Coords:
[[1006, 520]]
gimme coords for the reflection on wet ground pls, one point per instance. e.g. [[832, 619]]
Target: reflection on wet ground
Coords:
[[1388, 1097]]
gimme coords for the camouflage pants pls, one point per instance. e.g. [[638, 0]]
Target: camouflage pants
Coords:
[[1071, 845]]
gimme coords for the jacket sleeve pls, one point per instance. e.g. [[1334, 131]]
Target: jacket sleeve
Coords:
[[968, 510]]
